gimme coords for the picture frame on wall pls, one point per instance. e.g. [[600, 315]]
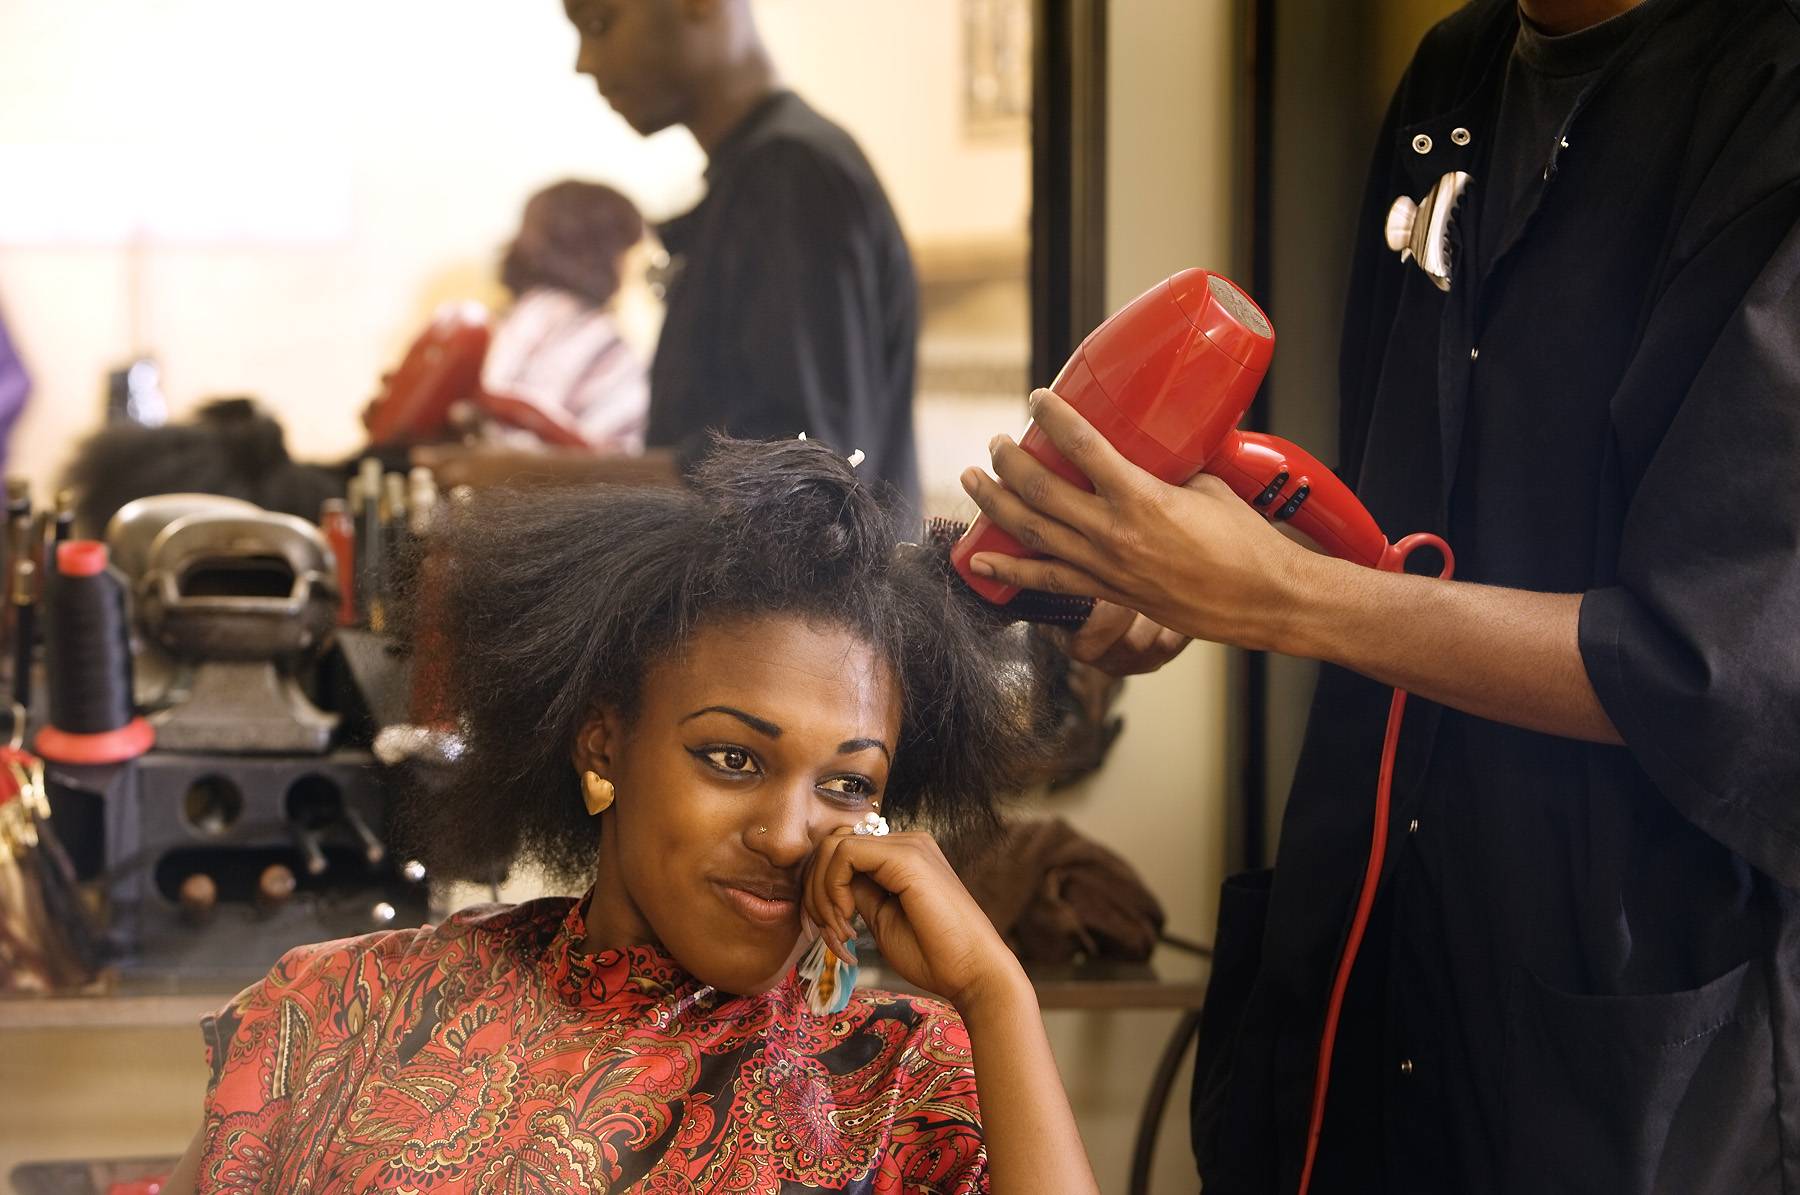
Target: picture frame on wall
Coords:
[[996, 68]]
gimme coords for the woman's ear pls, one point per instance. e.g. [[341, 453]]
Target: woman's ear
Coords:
[[595, 744]]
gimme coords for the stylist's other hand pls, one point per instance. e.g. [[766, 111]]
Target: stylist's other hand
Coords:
[[1192, 558], [1120, 642], [927, 926]]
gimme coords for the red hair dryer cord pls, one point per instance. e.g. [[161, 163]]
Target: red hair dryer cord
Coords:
[[1365, 898]]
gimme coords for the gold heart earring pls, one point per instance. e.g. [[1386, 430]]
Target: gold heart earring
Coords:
[[598, 792]]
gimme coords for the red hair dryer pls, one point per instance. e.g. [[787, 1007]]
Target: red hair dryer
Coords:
[[1166, 380]]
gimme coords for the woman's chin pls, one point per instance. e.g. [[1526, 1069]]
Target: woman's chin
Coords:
[[742, 976]]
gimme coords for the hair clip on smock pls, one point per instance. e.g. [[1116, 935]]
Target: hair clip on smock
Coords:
[[825, 979], [1420, 232]]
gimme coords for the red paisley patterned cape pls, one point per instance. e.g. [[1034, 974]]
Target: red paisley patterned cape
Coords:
[[491, 1054]]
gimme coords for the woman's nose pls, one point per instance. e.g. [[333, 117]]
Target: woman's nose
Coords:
[[785, 829]]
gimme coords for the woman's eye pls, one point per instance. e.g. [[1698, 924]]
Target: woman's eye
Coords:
[[730, 759], [853, 787]]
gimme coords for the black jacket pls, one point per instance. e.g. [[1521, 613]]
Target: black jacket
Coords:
[[1586, 970], [793, 306]]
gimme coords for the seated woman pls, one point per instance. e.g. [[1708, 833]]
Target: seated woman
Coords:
[[693, 699], [558, 347]]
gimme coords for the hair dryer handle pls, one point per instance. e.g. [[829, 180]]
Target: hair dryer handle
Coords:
[[1288, 484], [984, 535]]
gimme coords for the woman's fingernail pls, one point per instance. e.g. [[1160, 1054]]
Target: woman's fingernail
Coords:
[[981, 568], [994, 444], [1031, 402], [971, 479]]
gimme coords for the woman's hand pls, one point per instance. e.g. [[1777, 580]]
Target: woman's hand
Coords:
[[1192, 558], [933, 933], [927, 926]]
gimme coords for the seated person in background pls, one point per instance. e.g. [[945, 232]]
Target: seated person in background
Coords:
[[558, 347], [688, 697]]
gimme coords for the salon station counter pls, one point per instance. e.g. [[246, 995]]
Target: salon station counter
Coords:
[[1173, 979]]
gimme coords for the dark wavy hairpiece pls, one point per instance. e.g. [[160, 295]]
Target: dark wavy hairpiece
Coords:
[[556, 603]]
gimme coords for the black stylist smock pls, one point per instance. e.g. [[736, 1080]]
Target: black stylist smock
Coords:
[[1583, 972], [793, 306]]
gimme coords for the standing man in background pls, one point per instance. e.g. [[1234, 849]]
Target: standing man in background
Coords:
[[793, 306]]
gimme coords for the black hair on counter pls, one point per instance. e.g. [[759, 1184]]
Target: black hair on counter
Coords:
[[231, 446]]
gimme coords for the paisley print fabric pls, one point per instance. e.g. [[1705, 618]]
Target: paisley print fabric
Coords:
[[491, 1054]]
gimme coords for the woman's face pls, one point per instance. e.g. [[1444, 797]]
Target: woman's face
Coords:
[[757, 740]]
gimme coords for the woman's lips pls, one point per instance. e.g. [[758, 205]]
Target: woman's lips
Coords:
[[759, 905]]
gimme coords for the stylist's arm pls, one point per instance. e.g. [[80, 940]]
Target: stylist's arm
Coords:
[[1200, 562]]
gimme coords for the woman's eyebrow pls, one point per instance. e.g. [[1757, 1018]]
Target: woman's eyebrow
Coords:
[[852, 746], [762, 726]]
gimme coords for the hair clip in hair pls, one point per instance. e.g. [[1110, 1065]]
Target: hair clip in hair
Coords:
[[873, 825], [855, 458]]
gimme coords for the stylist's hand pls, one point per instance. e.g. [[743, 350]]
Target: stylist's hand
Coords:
[[1192, 558], [1119, 641], [925, 923]]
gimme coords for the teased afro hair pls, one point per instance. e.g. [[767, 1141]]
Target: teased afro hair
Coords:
[[550, 604]]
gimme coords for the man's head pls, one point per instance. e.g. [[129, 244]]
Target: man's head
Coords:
[[653, 59]]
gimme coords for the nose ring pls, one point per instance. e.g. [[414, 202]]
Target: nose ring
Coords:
[[762, 829]]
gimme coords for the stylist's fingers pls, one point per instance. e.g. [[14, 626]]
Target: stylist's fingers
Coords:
[[1122, 642], [1106, 625], [1084, 447], [1050, 576], [1035, 531], [1043, 490]]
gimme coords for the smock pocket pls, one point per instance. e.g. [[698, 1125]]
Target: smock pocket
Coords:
[[1219, 1100], [1666, 1094]]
